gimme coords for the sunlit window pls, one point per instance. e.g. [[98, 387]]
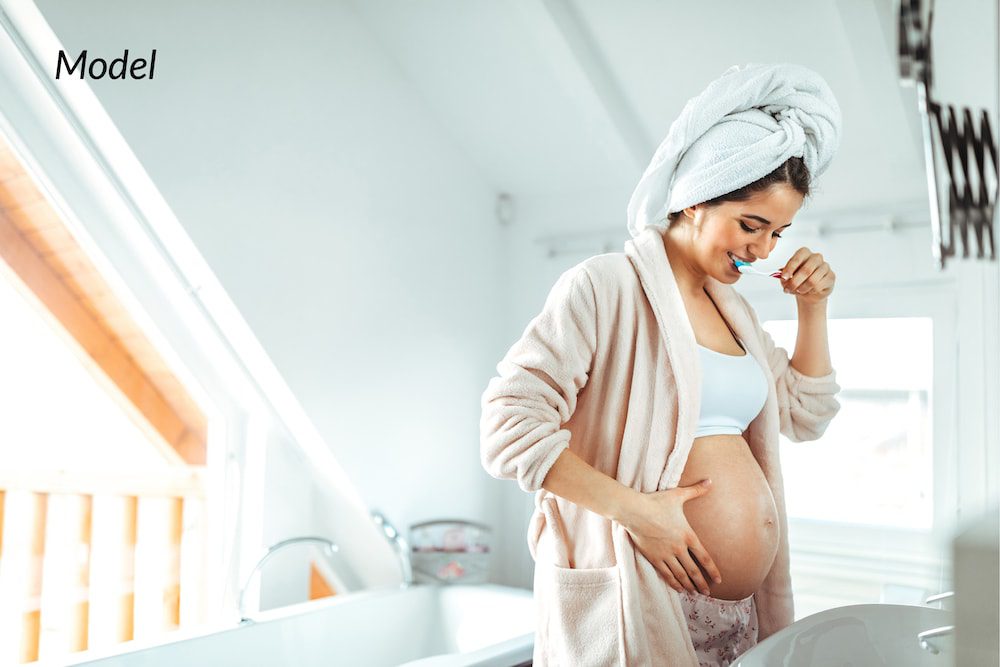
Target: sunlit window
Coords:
[[99, 531], [873, 464], [55, 415]]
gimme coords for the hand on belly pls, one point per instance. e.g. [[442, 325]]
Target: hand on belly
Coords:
[[736, 520]]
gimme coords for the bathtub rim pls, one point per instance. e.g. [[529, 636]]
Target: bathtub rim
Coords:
[[219, 627]]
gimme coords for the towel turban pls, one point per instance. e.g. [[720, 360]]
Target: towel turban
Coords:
[[742, 127]]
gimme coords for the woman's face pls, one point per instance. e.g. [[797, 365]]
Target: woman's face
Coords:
[[740, 228]]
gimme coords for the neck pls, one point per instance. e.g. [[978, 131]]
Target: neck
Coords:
[[691, 280]]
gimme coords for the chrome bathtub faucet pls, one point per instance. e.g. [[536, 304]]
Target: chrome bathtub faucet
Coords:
[[400, 545], [329, 548]]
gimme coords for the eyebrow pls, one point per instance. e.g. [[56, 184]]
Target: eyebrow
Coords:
[[762, 220]]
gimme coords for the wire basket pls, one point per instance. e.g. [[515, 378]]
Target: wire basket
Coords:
[[450, 551]]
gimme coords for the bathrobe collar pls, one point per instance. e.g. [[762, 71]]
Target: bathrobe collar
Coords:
[[649, 257]]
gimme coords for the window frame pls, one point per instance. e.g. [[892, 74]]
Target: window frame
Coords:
[[826, 550]]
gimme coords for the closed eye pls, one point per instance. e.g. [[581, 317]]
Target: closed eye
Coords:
[[751, 229]]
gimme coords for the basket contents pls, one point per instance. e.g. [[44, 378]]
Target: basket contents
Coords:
[[450, 551]]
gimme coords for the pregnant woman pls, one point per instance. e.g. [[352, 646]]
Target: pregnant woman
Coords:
[[643, 404]]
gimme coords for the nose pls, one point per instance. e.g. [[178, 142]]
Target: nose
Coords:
[[761, 249]]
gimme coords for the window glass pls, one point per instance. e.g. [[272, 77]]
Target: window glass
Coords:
[[873, 464], [56, 415]]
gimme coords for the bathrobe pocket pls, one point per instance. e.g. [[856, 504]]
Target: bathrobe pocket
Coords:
[[579, 616]]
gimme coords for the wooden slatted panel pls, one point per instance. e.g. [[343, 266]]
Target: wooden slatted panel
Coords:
[[31, 624], [65, 577], [172, 571], [156, 571], [130, 533], [11, 592], [193, 561], [89, 572], [172, 483], [112, 565]]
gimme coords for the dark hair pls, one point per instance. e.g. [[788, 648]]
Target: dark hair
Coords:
[[793, 173]]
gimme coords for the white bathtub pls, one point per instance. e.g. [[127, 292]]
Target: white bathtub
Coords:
[[429, 626], [863, 634]]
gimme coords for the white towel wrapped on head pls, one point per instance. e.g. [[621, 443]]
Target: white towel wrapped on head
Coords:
[[742, 127]]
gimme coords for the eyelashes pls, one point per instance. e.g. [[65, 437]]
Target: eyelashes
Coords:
[[751, 229]]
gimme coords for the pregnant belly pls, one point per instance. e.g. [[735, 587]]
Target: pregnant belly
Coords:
[[737, 520]]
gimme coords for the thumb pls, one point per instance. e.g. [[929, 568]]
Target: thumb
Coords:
[[701, 487]]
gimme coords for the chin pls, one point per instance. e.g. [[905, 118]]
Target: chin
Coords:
[[730, 278]]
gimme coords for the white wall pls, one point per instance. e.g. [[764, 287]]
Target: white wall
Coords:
[[368, 259], [355, 239]]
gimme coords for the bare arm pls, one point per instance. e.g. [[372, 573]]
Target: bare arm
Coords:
[[577, 481], [656, 521], [812, 347]]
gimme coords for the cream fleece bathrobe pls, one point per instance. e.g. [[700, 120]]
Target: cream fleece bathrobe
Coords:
[[610, 368]]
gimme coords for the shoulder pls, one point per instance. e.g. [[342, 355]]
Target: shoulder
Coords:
[[610, 272], [598, 282]]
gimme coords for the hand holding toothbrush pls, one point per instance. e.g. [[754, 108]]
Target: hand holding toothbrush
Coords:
[[806, 275]]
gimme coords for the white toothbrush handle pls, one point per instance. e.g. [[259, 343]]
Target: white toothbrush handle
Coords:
[[757, 272]]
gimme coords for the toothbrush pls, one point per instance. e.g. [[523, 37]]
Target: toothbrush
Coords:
[[746, 267]]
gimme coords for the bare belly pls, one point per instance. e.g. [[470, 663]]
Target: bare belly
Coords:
[[737, 520]]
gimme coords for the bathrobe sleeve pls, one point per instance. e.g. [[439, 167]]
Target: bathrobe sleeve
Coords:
[[539, 378], [806, 404]]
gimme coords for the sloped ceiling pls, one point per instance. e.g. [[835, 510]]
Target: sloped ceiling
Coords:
[[565, 98], [569, 96]]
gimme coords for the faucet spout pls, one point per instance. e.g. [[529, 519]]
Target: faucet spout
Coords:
[[328, 547]]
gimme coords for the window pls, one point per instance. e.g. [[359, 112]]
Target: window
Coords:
[[863, 515], [103, 508], [879, 445]]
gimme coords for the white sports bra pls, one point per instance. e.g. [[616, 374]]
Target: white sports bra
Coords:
[[733, 391]]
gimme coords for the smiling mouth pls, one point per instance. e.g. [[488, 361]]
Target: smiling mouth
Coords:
[[732, 261]]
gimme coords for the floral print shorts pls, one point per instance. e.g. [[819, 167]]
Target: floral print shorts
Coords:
[[721, 630]]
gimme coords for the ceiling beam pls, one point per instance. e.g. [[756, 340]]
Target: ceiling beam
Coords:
[[567, 42]]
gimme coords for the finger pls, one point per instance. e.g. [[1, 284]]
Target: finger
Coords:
[[805, 276], [662, 568], [814, 282], [699, 489], [706, 561], [694, 574], [794, 262], [801, 265], [680, 573]]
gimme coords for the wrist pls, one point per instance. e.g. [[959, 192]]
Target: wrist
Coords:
[[810, 300], [628, 506], [811, 306]]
